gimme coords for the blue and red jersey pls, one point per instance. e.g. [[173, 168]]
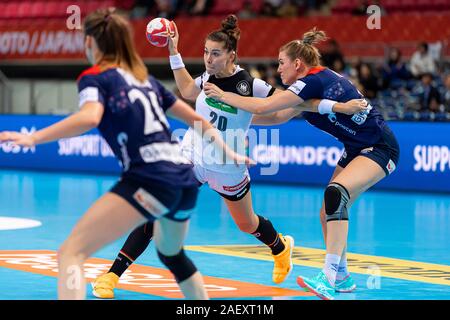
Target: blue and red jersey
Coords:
[[357, 131], [135, 126]]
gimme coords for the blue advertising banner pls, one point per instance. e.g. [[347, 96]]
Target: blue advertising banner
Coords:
[[308, 155], [87, 153], [294, 152]]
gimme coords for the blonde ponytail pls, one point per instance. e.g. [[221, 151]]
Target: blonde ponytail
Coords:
[[304, 49]]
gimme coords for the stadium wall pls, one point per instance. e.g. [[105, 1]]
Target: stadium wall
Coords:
[[42, 40]]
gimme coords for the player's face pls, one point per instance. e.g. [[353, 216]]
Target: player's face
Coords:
[[216, 58], [286, 69]]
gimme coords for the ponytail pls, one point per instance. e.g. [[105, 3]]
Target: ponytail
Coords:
[[113, 36], [229, 34], [304, 49]]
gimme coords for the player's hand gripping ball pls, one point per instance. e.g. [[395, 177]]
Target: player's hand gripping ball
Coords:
[[158, 31]]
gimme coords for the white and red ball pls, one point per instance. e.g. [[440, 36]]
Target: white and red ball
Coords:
[[157, 31]]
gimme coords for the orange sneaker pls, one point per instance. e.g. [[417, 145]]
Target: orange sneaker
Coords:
[[283, 261], [103, 286]]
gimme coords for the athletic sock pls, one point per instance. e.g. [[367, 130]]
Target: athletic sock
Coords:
[[121, 264], [135, 245], [331, 267], [267, 234], [342, 269]]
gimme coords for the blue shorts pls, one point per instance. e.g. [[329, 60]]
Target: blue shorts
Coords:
[[385, 152], [154, 201]]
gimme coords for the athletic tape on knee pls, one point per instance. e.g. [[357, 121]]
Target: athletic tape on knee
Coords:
[[180, 265], [336, 199]]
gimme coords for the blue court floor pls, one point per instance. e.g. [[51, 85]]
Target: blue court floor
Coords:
[[411, 227]]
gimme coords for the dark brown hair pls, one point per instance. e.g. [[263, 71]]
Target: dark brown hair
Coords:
[[304, 49], [229, 34], [113, 36]]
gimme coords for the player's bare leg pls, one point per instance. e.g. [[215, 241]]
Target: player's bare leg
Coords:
[[106, 220], [281, 246]]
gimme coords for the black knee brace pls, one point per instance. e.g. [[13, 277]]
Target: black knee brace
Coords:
[[336, 199], [180, 265]]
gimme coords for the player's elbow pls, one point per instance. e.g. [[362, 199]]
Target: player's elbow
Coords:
[[91, 114], [196, 121], [96, 122], [186, 95], [91, 120], [189, 92]]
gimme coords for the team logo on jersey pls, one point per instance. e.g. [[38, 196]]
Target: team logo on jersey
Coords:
[[122, 139], [390, 166], [220, 105], [332, 117], [366, 150], [150, 203], [243, 87], [361, 117], [297, 87]]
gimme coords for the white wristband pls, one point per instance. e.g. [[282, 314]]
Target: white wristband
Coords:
[[176, 62], [326, 106]]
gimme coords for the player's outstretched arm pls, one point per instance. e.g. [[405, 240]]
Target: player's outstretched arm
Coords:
[[276, 102], [350, 107], [78, 123], [283, 100], [324, 106]]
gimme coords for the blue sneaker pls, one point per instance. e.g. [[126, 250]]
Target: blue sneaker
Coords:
[[319, 285], [345, 285]]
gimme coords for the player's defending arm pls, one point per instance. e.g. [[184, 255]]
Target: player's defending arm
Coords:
[[313, 105], [276, 102], [283, 100], [282, 116]]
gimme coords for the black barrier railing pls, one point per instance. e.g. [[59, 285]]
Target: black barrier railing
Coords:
[[5, 94]]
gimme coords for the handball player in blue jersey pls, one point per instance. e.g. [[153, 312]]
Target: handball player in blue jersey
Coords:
[[157, 183], [371, 149]]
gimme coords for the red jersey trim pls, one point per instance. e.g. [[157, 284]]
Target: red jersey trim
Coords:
[[91, 71], [315, 70]]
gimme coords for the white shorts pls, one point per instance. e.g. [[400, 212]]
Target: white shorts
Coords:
[[232, 186]]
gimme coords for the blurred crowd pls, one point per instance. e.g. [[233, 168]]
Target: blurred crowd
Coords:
[[416, 88], [249, 9], [267, 8], [411, 89]]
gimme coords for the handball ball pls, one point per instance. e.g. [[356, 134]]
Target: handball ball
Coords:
[[157, 31]]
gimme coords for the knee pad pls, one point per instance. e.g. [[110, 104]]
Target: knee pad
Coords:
[[336, 199], [180, 265]]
